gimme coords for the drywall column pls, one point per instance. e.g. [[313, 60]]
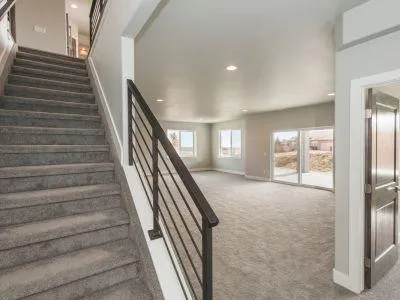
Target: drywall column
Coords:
[[41, 24], [368, 55]]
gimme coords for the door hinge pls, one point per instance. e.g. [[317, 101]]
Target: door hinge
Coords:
[[367, 262], [368, 188], [368, 113]]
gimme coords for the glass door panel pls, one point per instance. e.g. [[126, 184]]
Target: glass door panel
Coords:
[[317, 158], [286, 162]]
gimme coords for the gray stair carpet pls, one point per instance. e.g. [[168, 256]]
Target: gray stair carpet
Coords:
[[63, 231]]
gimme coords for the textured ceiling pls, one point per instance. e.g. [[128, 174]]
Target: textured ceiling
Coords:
[[284, 51]]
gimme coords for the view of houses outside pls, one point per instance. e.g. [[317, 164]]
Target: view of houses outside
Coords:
[[316, 156]]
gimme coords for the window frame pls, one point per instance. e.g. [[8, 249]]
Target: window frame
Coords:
[[231, 156], [180, 140]]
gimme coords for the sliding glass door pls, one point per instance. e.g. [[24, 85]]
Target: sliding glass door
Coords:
[[304, 157], [317, 158], [286, 163]]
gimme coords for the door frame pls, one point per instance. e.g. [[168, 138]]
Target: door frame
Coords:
[[356, 141], [299, 161]]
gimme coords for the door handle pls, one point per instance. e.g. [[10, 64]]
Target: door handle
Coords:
[[394, 188]]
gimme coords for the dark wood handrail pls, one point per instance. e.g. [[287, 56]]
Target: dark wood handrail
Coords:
[[6, 7], [200, 201]]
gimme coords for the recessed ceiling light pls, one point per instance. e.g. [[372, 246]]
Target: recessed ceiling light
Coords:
[[160, 100], [331, 94], [245, 110], [231, 68], [74, 6]]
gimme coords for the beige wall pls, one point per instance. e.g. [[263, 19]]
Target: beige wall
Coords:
[[49, 14], [260, 127], [203, 146], [236, 165]]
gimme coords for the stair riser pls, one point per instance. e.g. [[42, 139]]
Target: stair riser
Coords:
[[36, 122], [53, 60], [53, 76], [50, 139], [12, 105], [34, 159], [49, 54], [12, 185], [49, 95], [50, 67], [81, 288], [26, 254], [48, 211], [48, 85]]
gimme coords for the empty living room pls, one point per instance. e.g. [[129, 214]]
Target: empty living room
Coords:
[[173, 149]]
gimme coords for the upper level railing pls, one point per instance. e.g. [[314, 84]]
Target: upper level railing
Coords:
[[187, 219], [6, 7], [96, 13]]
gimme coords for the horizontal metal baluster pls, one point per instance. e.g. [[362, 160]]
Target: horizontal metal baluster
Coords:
[[178, 254], [144, 156], [181, 216], [181, 193], [144, 172], [143, 122], [181, 239]]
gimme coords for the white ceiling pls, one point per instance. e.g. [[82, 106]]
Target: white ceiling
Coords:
[[80, 15], [284, 50]]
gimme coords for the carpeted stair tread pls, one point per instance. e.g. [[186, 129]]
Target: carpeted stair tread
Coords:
[[25, 254], [48, 170], [48, 83], [46, 274], [37, 91], [50, 54], [50, 67], [36, 101], [32, 198], [49, 130], [26, 71], [46, 230], [52, 148], [47, 115], [51, 59], [129, 290]]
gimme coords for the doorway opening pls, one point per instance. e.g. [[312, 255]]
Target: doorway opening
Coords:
[[304, 157]]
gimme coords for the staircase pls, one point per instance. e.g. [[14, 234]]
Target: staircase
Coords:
[[63, 232]]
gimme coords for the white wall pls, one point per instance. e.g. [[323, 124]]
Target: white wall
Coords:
[[48, 14], [373, 57], [370, 18]]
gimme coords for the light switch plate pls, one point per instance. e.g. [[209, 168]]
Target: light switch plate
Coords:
[[39, 29]]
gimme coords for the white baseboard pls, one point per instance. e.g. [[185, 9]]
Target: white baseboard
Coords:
[[104, 103], [345, 281], [200, 169], [257, 178], [229, 171]]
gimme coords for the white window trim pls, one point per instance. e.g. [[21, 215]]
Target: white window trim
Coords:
[[241, 145], [180, 139]]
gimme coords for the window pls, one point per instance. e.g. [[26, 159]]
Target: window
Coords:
[[230, 143], [183, 142]]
